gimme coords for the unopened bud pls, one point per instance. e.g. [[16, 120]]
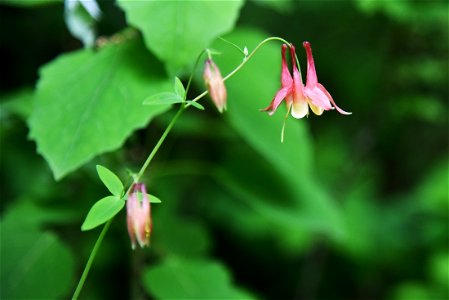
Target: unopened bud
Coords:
[[139, 216], [215, 85]]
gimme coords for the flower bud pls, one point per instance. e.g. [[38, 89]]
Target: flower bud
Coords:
[[215, 85], [138, 216]]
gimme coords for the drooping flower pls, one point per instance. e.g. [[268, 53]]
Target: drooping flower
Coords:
[[292, 89], [315, 91], [297, 96], [215, 85], [139, 216]]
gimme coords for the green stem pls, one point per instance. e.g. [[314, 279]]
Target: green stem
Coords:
[[247, 58], [156, 148], [159, 143], [91, 260], [106, 226], [253, 52]]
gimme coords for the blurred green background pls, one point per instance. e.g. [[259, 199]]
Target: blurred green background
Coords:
[[349, 207]]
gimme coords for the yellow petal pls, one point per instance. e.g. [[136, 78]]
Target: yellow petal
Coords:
[[316, 110], [300, 109]]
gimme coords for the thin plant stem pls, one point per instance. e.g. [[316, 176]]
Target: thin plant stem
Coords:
[[253, 52], [106, 226], [247, 58], [91, 260], [158, 145]]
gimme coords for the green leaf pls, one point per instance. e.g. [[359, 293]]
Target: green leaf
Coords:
[[164, 98], [110, 180], [88, 102], [177, 278], [152, 198], [180, 36], [196, 105], [34, 264], [179, 88], [18, 103], [102, 211], [30, 3]]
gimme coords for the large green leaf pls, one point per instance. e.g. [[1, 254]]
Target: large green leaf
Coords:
[[177, 278], [184, 28], [252, 89], [89, 102], [34, 264]]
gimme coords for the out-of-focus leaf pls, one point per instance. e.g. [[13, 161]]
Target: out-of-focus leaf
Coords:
[[287, 225], [432, 13], [361, 217], [30, 215], [110, 180], [283, 6], [30, 3], [18, 103], [177, 234], [89, 102], [179, 37], [438, 268], [102, 211], [422, 107], [35, 264], [433, 191], [252, 89], [411, 290], [176, 278]]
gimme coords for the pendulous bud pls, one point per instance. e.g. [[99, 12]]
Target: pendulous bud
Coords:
[[215, 85], [138, 216]]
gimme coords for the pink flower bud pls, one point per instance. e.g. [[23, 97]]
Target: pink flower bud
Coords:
[[215, 85], [139, 216]]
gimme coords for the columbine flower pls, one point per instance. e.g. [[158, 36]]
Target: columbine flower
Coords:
[[139, 216], [297, 96], [315, 91], [292, 89], [215, 85]]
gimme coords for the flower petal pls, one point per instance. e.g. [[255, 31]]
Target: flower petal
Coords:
[[316, 110], [280, 95], [312, 78], [300, 109], [286, 78], [321, 87], [318, 97]]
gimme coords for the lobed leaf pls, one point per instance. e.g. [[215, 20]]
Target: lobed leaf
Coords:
[[34, 264], [177, 278], [88, 102], [180, 37]]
